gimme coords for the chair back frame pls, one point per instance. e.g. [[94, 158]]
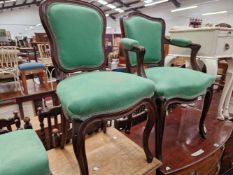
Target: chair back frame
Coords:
[[163, 40], [44, 50], [54, 47], [8, 57]]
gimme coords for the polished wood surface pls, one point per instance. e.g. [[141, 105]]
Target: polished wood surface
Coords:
[[8, 93], [111, 153], [181, 137], [227, 159]]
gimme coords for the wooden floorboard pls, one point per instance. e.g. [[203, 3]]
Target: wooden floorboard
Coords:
[[108, 154]]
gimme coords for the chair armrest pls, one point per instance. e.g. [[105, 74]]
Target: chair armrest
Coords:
[[134, 46], [187, 44], [180, 42], [128, 43]]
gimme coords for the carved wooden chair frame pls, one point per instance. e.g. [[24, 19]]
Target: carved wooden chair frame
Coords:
[[79, 126], [163, 103], [15, 120]]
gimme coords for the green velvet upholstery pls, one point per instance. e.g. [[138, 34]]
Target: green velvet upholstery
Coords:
[[87, 94], [128, 43], [78, 32], [171, 82], [180, 42], [148, 33], [22, 153]]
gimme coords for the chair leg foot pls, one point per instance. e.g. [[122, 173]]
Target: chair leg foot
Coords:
[[206, 105], [78, 139]]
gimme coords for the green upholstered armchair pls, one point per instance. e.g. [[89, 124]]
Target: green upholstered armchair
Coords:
[[144, 45], [76, 30]]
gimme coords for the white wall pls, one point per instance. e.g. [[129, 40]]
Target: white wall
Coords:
[[182, 18], [17, 20]]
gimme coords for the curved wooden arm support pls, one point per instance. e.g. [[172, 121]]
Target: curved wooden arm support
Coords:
[[140, 51], [194, 50]]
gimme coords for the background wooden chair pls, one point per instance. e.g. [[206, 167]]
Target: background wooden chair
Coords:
[[45, 58], [9, 64]]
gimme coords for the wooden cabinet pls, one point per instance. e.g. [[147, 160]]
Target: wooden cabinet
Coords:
[[227, 159], [208, 166]]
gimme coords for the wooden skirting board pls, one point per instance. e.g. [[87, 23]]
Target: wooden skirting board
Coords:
[[108, 154]]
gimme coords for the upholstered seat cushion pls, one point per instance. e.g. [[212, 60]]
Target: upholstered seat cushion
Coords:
[[173, 82], [21, 152], [88, 94], [32, 65]]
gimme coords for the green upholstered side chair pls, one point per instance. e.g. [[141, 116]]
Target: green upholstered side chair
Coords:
[[144, 45], [76, 31], [21, 152]]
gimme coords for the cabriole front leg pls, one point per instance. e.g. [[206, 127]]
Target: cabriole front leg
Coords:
[[149, 126], [78, 139], [206, 105]]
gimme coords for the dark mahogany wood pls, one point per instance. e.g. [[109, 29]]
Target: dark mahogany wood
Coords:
[[7, 123], [79, 126], [51, 115], [163, 103], [36, 98]]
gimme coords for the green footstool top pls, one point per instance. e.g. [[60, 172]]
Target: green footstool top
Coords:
[[22, 153], [88, 94], [171, 82]]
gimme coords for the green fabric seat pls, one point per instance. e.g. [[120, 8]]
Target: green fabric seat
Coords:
[[22, 153], [93, 93], [171, 82]]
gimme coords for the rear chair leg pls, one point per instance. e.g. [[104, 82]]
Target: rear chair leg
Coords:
[[206, 105]]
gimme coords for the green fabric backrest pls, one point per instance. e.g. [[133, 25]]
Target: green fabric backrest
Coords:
[[78, 32], [148, 33]]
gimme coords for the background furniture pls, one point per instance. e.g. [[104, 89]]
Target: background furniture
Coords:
[[9, 64], [6, 124], [45, 58], [144, 45], [218, 43], [54, 135], [33, 68]]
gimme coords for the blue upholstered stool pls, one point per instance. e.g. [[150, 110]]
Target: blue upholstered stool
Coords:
[[33, 68]]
